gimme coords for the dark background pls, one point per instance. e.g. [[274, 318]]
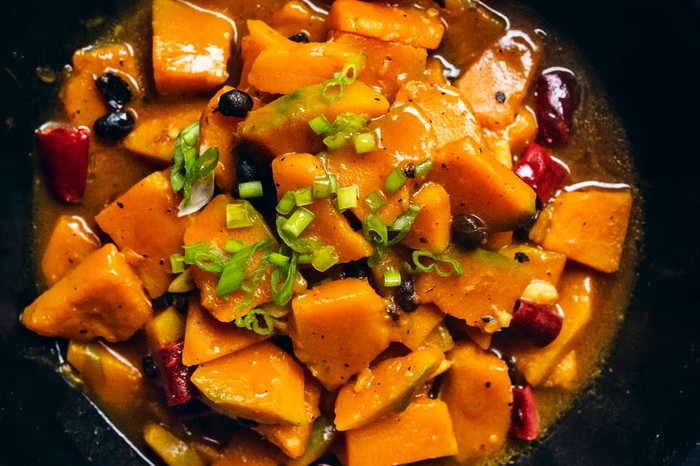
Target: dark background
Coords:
[[646, 407]]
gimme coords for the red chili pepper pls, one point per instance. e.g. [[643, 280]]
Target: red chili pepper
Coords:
[[536, 322], [64, 153], [178, 388], [540, 171], [525, 421]]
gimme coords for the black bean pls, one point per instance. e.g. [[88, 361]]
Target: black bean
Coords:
[[405, 295], [410, 171], [356, 269], [327, 461], [179, 300], [114, 89], [247, 169], [300, 37], [468, 230], [114, 126], [149, 366], [235, 103]]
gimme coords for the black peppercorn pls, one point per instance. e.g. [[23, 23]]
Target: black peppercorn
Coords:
[[235, 103], [468, 230], [300, 37]]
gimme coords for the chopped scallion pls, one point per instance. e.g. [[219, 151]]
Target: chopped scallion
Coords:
[[285, 275], [300, 219], [395, 180], [233, 246], [424, 167], [403, 223], [325, 186], [335, 140], [375, 230], [252, 321], [303, 196], [364, 142], [324, 258], [392, 277], [286, 204], [375, 200], [205, 256], [237, 216], [304, 259], [417, 255], [177, 263], [280, 260], [250, 189], [347, 198], [320, 125]]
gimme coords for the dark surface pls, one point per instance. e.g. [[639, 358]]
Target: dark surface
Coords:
[[644, 410]]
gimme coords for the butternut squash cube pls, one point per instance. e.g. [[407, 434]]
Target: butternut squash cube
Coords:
[[101, 297], [261, 36], [431, 228], [261, 383], [191, 48], [386, 388], [479, 184], [297, 16], [589, 227], [248, 448], [148, 244], [70, 242], [423, 431], [477, 392], [548, 265], [484, 296], [329, 320], [414, 327]]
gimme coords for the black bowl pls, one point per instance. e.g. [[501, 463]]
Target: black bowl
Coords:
[[645, 408]]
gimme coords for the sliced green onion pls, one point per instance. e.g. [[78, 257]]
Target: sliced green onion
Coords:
[[347, 75], [236, 270], [335, 140], [251, 321], [350, 71], [177, 263], [403, 223], [320, 125], [417, 255], [250, 189], [233, 246], [303, 196], [237, 216], [280, 260], [304, 259], [392, 277], [347, 197], [349, 123], [300, 219], [424, 167], [286, 204], [325, 186], [205, 256], [395, 180], [328, 91], [375, 200], [375, 230], [324, 258], [285, 275], [364, 142]]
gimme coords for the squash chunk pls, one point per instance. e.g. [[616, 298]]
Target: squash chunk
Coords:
[[293, 440], [485, 295], [207, 338], [282, 126], [82, 101], [589, 227], [387, 388], [477, 392], [548, 265], [149, 244], [388, 65], [220, 131], [518, 134], [576, 299], [260, 37], [329, 320], [71, 241], [101, 297], [507, 67], [158, 126], [112, 377], [444, 106], [261, 383], [422, 431], [414, 327], [405, 25], [191, 47], [329, 227], [210, 226], [431, 229], [296, 16], [247, 448], [479, 184]]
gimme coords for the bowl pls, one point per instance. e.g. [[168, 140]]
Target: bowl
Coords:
[[643, 409]]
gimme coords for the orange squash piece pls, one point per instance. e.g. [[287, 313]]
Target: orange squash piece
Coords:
[[70, 242], [477, 392], [297, 16], [247, 448], [113, 378], [423, 431], [479, 184], [484, 296], [157, 128], [293, 440], [207, 338], [498, 240], [82, 101], [329, 227], [414, 327], [497, 82], [261, 36], [101, 297], [548, 265], [589, 227], [405, 25], [210, 226], [389, 64], [521, 132], [149, 244], [328, 321], [191, 47], [386, 388], [431, 228], [261, 383], [577, 299]]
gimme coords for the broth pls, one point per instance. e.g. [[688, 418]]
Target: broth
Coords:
[[598, 152]]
